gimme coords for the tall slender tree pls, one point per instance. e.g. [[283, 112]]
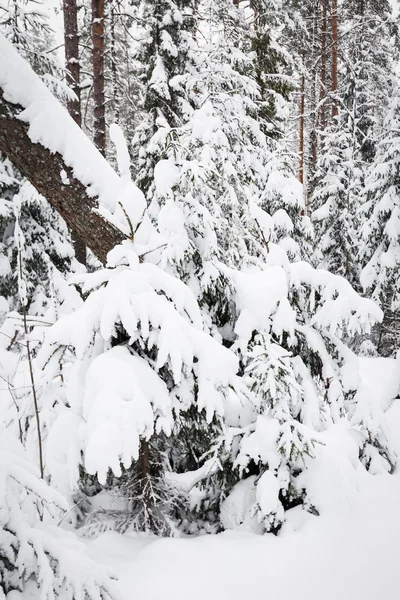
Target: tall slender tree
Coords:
[[164, 58], [335, 56], [98, 63], [72, 64]]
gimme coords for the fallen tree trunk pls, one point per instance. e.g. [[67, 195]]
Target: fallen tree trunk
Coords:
[[54, 180]]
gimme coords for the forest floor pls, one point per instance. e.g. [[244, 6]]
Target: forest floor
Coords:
[[349, 552]]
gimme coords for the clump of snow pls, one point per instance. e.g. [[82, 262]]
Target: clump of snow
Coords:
[[123, 398], [237, 510], [63, 452], [267, 495]]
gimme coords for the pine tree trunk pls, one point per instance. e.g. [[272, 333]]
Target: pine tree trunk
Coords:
[[335, 111], [114, 75], [322, 95], [42, 168], [314, 97], [99, 135], [302, 126], [71, 45]]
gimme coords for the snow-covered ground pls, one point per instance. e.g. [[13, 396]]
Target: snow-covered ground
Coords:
[[349, 552]]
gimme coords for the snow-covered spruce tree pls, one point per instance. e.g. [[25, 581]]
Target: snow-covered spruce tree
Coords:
[[380, 233], [36, 555], [272, 64], [336, 198], [368, 74], [282, 199], [164, 55], [297, 366], [143, 365], [47, 244], [142, 361]]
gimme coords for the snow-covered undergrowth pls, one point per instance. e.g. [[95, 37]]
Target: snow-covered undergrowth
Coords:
[[348, 552]]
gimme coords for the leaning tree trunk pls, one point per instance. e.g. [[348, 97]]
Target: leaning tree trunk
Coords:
[[99, 135], [42, 168], [71, 45]]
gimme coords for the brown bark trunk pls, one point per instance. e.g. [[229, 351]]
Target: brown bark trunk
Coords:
[[322, 95], [42, 168], [71, 45], [99, 135], [314, 99], [114, 75], [302, 123], [334, 58]]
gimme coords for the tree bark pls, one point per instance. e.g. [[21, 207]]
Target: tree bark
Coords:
[[71, 45], [314, 99], [322, 95], [335, 111], [114, 74], [42, 168], [99, 136], [302, 124]]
